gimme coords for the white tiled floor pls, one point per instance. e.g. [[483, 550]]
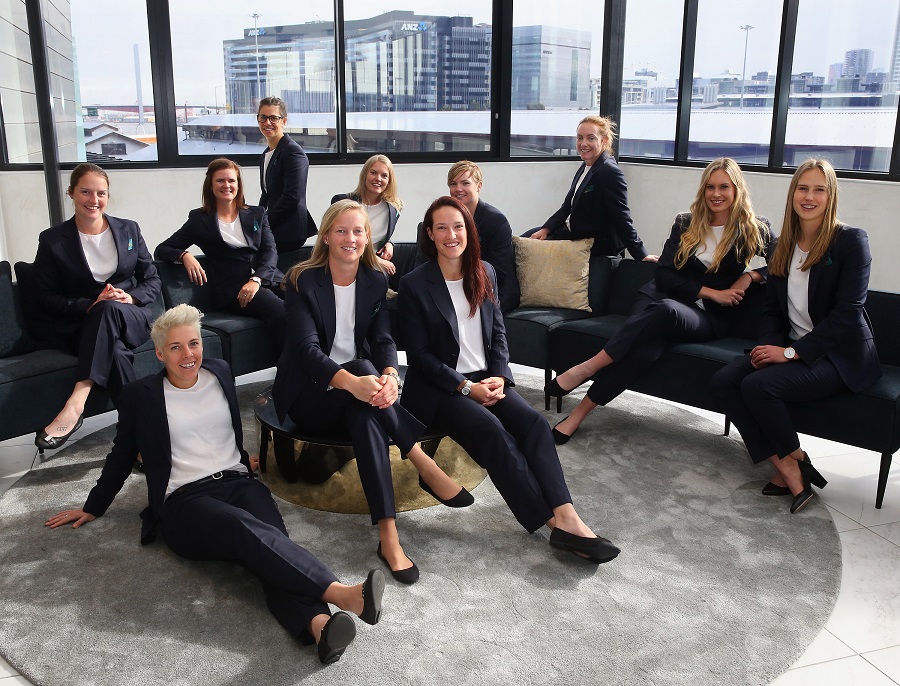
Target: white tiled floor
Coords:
[[860, 644]]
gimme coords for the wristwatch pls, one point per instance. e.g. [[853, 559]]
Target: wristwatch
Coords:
[[467, 388], [397, 379], [790, 353], [257, 279]]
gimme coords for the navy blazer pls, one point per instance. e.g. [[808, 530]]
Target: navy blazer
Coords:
[[67, 289], [144, 428], [229, 267], [684, 284], [599, 210], [284, 192], [393, 215], [311, 326], [838, 286], [431, 335], [495, 239]]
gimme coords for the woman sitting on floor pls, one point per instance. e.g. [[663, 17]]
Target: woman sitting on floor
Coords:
[[459, 380], [210, 506], [815, 339], [703, 273], [338, 371]]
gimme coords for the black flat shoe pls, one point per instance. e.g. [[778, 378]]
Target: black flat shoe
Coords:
[[461, 499], [558, 436], [407, 576], [337, 634], [772, 489], [554, 390], [45, 442], [597, 550], [372, 592]]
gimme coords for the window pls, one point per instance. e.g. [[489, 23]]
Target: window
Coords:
[[650, 78], [100, 74], [733, 94], [418, 81], [113, 149], [226, 57], [844, 82], [23, 137], [556, 59]]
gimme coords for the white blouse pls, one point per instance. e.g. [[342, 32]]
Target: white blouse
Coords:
[[378, 221], [798, 296], [232, 233], [344, 347], [471, 343], [100, 253]]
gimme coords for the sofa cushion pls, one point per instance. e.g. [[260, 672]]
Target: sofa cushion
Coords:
[[13, 339], [553, 273], [39, 325]]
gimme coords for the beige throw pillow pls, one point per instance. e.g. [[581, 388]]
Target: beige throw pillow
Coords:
[[553, 273]]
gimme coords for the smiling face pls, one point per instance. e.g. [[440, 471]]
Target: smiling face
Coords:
[[182, 355], [377, 179], [90, 196], [465, 189], [448, 233], [347, 238], [272, 130], [589, 142], [810, 200], [225, 185], [719, 196]]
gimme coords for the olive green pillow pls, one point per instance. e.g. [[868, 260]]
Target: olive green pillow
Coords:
[[553, 273]]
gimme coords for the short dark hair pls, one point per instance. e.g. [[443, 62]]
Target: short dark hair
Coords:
[[272, 101]]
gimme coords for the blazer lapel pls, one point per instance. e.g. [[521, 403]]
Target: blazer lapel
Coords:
[[156, 414], [366, 306], [487, 325], [250, 228], [325, 299], [441, 297], [587, 179], [73, 247]]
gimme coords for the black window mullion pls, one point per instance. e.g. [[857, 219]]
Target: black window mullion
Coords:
[[340, 62], [160, 37], [501, 79], [783, 83], [686, 80], [613, 60]]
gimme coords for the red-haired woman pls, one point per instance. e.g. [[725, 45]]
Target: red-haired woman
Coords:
[[459, 380]]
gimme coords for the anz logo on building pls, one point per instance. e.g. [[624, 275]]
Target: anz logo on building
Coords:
[[256, 32], [414, 26]]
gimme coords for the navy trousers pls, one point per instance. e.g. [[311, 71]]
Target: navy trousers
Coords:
[[642, 340], [267, 306], [236, 520], [369, 428]]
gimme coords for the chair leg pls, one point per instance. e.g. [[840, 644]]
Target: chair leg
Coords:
[[548, 374], [264, 435], [727, 426], [882, 478]]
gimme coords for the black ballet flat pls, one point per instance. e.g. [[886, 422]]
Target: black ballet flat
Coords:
[[554, 390], [597, 550], [461, 499], [407, 576], [372, 592], [558, 436], [337, 634], [45, 442], [772, 489]]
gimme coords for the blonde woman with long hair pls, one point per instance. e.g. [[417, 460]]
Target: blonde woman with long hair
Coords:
[[814, 338], [703, 273], [338, 371]]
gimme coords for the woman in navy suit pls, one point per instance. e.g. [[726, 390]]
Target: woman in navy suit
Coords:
[[239, 248], [203, 493], [702, 276], [283, 168], [596, 205], [459, 380], [95, 277], [815, 339], [338, 371], [377, 190]]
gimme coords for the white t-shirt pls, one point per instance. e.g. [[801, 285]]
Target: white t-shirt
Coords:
[[378, 221], [100, 253], [471, 344], [344, 347], [232, 233], [200, 431], [798, 296], [707, 251], [577, 186]]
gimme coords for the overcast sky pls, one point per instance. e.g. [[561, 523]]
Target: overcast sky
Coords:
[[105, 31]]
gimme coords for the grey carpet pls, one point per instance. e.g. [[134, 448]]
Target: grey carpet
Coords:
[[715, 584]]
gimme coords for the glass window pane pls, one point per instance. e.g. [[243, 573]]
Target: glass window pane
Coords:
[[556, 60], [650, 78], [418, 81], [101, 80], [844, 83], [227, 56], [23, 142], [733, 93]]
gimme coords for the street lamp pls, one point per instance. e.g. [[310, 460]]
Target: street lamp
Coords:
[[746, 29], [256, 41]]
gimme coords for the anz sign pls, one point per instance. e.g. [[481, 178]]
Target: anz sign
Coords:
[[255, 32], [414, 26]]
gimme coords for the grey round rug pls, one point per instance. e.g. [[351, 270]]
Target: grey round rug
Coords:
[[715, 584]]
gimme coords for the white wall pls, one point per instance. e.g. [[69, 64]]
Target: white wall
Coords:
[[527, 192]]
